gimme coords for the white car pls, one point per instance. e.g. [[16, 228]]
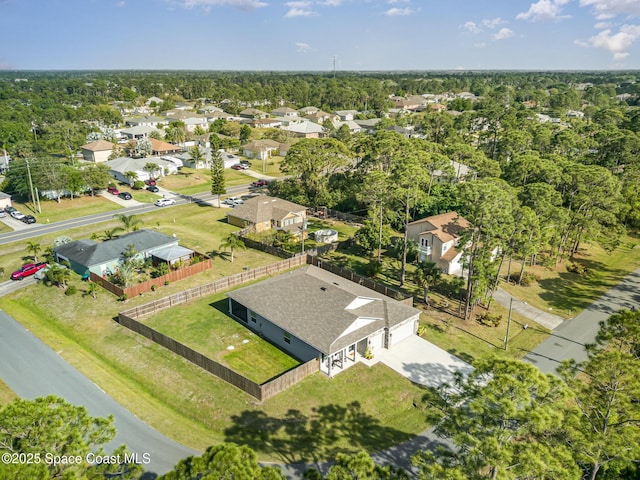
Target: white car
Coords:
[[17, 215], [163, 202], [233, 201]]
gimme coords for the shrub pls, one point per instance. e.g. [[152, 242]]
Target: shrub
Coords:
[[138, 185], [578, 268], [166, 282], [123, 297], [154, 288], [528, 278], [71, 290], [368, 353], [422, 330], [489, 320], [373, 268]]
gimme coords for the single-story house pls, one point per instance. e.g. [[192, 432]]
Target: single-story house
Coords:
[[159, 147], [286, 112], [146, 121], [369, 125], [191, 120], [312, 313], [104, 258], [253, 113], [346, 114], [438, 239], [308, 110], [98, 151], [320, 117], [351, 125], [119, 166], [137, 133], [305, 129], [265, 123], [5, 200], [259, 148], [266, 213]]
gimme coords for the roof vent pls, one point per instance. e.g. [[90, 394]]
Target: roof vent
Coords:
[[324, 289], [336, 283]]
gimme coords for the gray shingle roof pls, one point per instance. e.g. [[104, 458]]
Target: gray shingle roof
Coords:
[[89, 253], [264, 208], [311, 304]]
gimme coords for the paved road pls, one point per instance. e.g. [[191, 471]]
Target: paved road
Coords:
[[32, 369], [43, 228], [569, 339]]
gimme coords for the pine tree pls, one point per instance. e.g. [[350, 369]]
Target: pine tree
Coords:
[[217, 176]]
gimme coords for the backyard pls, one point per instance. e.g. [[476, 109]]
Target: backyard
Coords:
[[190, 181], [205, 326]]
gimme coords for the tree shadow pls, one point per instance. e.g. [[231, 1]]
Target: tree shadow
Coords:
[[300, 438]]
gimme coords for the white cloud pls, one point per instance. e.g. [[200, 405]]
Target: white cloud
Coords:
[[393, 2], [121, 3], [602, 25], [398, 12], [544, 11], [604, 9], [331, 3], [471, 27], [299, 9], [207, 4], [503, 34], [493, 22], [302, 47], [616, 43]]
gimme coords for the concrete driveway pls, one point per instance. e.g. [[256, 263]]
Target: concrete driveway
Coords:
[[422, 362]]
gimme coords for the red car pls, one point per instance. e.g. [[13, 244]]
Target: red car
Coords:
[[27, 270], [260, 183], [151, 181], [113, 190]]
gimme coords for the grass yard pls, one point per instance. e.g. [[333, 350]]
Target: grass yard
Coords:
[[565, 293], [269, 167], [6, 394], [4, 228], [144, 196], [205, 326], [53, 211], [360, 408], [190, 181]]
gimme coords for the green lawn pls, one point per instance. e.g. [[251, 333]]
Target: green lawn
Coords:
[[189, 181], [144, 196], [6, 394], [205, 326], [566, 294], [53, 211], [269, 167]]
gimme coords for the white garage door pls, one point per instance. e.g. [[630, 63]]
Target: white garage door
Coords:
[[401, 332]]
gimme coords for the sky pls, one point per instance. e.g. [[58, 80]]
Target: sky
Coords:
[[358, 35]]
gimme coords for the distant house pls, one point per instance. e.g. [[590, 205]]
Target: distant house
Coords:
[[370, 125], [459, 172], [265, 123], [253, 113], [351, 125], [285, 112], [136, 133], [104, 258], [158, 147], [346, 114], [438, 240], [191, 120], [98, 151], [263, 213], [312, 313], [308, 110], [320, 117], [146, 121], [5, 200], [120, 166], [260, 148], [305, 129]]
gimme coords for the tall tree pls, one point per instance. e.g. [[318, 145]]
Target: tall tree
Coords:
[[217, 175], [196, 155], [504, 420], [427, 274], [34, 248], [233, 242], [130, 223]]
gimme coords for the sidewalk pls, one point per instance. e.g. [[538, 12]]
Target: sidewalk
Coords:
[[541, 317]]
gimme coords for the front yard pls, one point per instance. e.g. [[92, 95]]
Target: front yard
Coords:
[[190, 181], [53, 211]]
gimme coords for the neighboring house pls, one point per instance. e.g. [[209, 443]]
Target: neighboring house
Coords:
[[263, 213], [213, 116], [137, 132], [191, 120], [253, 113], [210, 109], [321, 117], [305, 129], [407, 132], [158, 147], [259, 148], [351, 125], [346, 114], [265, 123], [308, 110], [104, 258], [5, 200], [312, 313], [285, 112], [155, 100], [438, 240], [459, 172], [97, 151], [146, 121], [119, 166], [369, 125]]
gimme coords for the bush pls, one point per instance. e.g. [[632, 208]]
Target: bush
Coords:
[[373, 268], [528, 278], [489, 320], [71, 290], [368, 353], [422, 330], [123, 297], [578, 268], [154, 288]]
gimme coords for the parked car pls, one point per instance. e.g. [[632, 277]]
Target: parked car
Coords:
[[28, 219], [9, 209], [233, 201], [240, 166], [113, 190], [125, 195], [150, 181], [27, 270], [2, 213], [245, 162], [163, 202], [153, 188], [17, 215], [260, 183]]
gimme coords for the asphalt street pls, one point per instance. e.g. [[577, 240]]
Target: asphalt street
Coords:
[[568, 340], [32, 369]]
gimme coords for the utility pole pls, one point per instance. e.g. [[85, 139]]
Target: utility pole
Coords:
[[33, 197], [506, 338]]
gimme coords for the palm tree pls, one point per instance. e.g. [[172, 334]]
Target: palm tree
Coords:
[[197, 155], [427, 275], [131, 176], [232, 242], [34, 248], [152, 168], [92, 289], [130, 223]]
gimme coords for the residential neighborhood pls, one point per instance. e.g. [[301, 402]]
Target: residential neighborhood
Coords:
[[311, 279]]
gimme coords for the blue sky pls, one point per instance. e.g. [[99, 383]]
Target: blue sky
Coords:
[[308, 34]]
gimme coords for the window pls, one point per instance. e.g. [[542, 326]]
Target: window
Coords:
[[424, 242], [287, 337], [253, 316]]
